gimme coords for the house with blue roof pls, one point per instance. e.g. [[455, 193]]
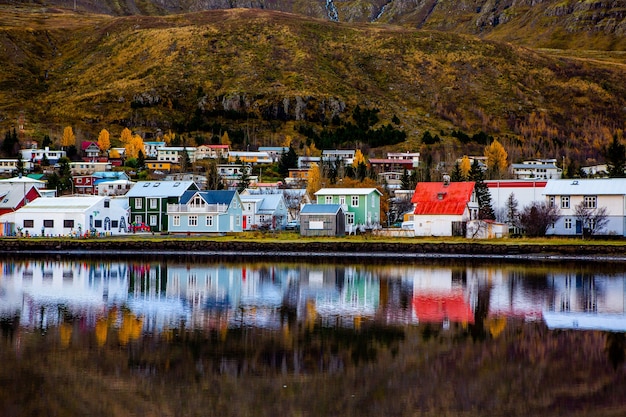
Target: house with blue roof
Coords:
[[322, 220], [148, 201], [264, 211], [213, 211]]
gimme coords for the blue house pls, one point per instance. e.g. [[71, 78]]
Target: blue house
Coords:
[[206, 212]]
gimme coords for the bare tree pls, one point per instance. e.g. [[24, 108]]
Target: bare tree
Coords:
[[593, 220], [536, 218]]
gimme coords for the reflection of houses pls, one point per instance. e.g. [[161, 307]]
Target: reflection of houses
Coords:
[[593, 194], [206, 212], [443, 208], [64, 216], [586, 302]]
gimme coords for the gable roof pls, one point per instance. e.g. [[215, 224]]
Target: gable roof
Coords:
[[64, 204], [347, 191], [84, 145], [599, 186], [160, 188], [320, 209], [437, 198], [210, 196]]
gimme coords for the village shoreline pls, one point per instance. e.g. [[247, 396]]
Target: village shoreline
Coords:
[[328, 249]]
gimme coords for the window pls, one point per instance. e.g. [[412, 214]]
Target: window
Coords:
[[590, 201], [115, 224], [237, 220], [153, 219], [329, 199], [192, 221], [154, 203], [29, 223], [551, 200], [342, 200], [372, 201], [138, 219], [209, 221], [349, 218], [107, 203], [355, 201], [565, 201], [97, 223], [138, 203], [48, 223], [68, 223], [568, 223], [176, 220]]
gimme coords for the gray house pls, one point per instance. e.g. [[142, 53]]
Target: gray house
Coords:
[[322, 220]]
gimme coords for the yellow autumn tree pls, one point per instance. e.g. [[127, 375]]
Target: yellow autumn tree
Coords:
[[358, 158], [497, 163], [314, 181], [68, 138], [126, 136], [465, 167], [114, 154], [225, 140], [134, 146], [312, 150], [287, 141], [168, 137], [104, 140]]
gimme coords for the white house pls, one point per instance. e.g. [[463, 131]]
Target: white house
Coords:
[[65, 216], [525, 193], [174, 153], [443, 208], [537, 168], [593, 194], [37, 155], [264, 210]]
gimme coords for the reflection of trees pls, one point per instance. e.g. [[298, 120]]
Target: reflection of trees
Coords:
[[9, 326], [615, 348]]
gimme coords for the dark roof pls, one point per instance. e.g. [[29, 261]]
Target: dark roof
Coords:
[[320, 209], [211, 196]]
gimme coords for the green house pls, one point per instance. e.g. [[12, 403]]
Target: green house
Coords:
[[148, 201], [360, 205]]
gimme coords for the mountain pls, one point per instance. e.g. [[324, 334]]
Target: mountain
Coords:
[[264, 75], [562, 24]]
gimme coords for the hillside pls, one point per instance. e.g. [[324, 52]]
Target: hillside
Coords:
[[561, 24], [261, 75]]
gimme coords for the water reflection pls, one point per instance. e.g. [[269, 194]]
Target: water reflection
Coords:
[[311, 339]]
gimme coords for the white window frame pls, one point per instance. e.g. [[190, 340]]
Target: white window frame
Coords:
[[355, 201], [329, 199], [192, 220], [138, 203], [551, 201], [342, 200], [567, 223], [176, 220], [590, 201], [565, 201], [138, 219], [154, 203], [209, 221], [154, 219], [349, 218]]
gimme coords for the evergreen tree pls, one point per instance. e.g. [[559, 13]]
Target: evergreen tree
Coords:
[[213, 179], [457, 175], [244, 180], [287, 161], [19, 166], [405, 181], [46, 142], [512, 213], [141, 160], [615, 155], [485, 210], [185, 161]]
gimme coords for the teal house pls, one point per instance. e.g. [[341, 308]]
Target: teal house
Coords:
[[215, 211], [360, 205], [148, 201]]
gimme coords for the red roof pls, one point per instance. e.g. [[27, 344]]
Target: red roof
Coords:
[[86, 144], [516, 184], [437, 198]]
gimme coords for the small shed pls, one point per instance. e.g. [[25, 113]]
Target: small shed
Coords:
[[322, 220]]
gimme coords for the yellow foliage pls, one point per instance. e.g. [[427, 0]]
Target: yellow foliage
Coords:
[[225, 139], [65, 332], [358, 158], [101, 331], [465, 167], [496, 158], [126, 136], [68, 138], [134, 146], [312, 150], [104, 140], [168, 137], [287, 142], [114, 154], [314, 181]]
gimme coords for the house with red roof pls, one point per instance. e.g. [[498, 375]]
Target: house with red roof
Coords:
[[443, 208]]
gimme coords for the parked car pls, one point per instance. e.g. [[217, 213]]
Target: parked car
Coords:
[[292, 225]]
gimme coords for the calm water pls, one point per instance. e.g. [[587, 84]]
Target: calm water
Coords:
[[194, 336]]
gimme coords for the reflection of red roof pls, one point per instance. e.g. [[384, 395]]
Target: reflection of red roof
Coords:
[[437, 198], [432, 307]]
